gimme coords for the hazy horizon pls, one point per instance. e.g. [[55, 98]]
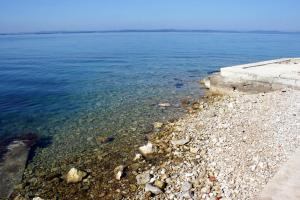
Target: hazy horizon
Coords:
[[93, 15], [151, 30]]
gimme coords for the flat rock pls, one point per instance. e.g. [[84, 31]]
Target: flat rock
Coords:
[[143, 178], [13, 162], [180, 142], [153, 189], [164, 104]]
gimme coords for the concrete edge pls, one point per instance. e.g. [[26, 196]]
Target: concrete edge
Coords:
[[249, 65]]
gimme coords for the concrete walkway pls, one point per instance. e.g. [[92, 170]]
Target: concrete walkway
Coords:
[[286, 183], [282, 71]]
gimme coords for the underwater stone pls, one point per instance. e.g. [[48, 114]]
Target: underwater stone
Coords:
[[37, 198], [164, 104], [75, 176], [13, 157], [104, 139], [157, 124], [137, 157], [119, 171]]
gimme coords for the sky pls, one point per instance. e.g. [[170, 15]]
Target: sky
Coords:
[[84, 15]]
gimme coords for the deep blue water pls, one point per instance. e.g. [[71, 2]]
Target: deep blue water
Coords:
[[47, 81]]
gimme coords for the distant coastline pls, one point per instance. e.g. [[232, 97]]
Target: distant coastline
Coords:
[[153, 31]]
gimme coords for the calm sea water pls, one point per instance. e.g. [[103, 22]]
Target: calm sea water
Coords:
[[71, 86]]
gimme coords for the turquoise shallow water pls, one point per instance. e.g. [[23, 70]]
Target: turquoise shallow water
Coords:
[[67, 85]]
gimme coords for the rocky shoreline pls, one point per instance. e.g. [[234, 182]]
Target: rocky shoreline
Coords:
[[228, 150], [227, 147]]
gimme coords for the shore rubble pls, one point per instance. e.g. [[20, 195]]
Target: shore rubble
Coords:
[[228, 150]]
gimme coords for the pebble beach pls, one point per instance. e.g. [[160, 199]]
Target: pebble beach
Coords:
[[228, 149]]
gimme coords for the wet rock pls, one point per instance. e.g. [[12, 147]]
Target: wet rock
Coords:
[[75, 175], [185, 102], [153, 189], [147, 149], [143, 178], [196, 106], [13, 157], [119, 171], [179, 85], [206, 82], [104, 139], [180, 142], [157, 125]]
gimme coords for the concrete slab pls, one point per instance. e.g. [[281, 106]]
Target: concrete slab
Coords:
[[286, 183], [284, 71]]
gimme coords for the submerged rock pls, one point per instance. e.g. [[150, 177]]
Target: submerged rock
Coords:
[[196, 105], [164, 104], [157, 125], [137, 157], [206, 82], [179, 85], [75, 175], [153, 189], [37, 198], [19, 197], [104, 139], [13, 157], [119, 171], [147, 149]]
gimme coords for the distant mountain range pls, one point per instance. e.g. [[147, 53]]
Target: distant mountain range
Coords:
[[153, 30]]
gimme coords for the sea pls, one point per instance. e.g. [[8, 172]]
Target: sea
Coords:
[[70, 88]]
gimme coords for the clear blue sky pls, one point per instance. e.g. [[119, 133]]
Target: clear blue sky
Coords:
[[49, 15]]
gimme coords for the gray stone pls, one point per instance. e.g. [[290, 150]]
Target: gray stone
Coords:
[[152, 189], [186, 186], [143, 178]]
